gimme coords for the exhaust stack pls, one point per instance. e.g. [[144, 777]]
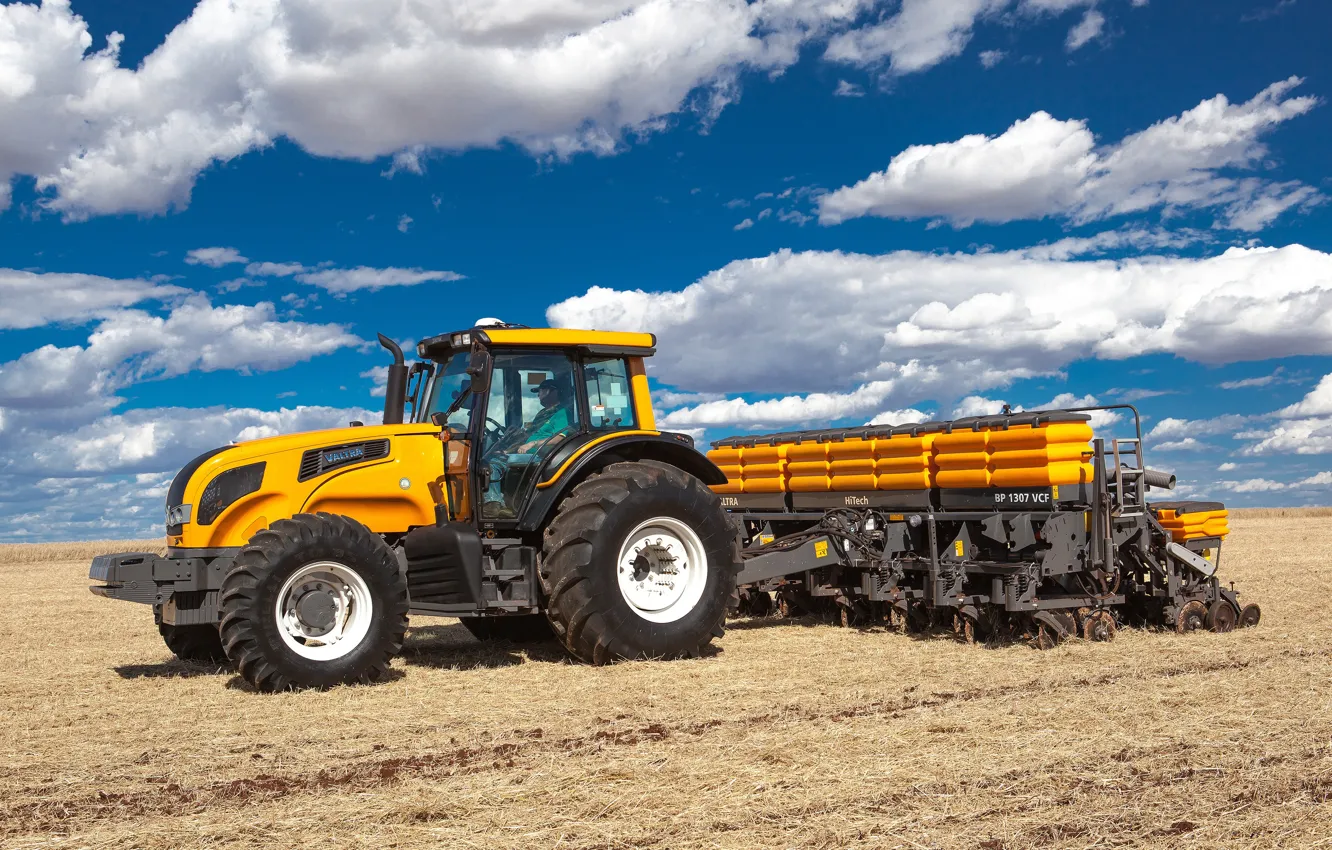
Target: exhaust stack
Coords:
[[395, 389]]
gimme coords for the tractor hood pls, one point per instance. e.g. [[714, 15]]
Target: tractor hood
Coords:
[[380, 475]]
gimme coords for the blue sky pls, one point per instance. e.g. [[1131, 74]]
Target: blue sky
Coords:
[[829, 212]]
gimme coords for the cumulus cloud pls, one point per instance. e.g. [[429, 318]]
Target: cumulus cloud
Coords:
[[956, 324], [33, 299], [1317, 402], [791, 409], [132, 346], [407, 77], [845, 89], [1043, 166]]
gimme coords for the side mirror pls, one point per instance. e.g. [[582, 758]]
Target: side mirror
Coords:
[[478, 367], [438, 419]]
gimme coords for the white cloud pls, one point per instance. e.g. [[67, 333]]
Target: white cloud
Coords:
[[378, 376], [667, 399], [845, 89], [1260, 381], [1321, 479], [363, 277], [1188, 444], [274, 269], [1317, 402], [1254, 485], [1294, 436], [163, 439], [1172, 428], [33, 299], [1226, 467], [956, 324], [1090, 27], [1303, 428], [132, 346], [791, 409], [1042, 166], [1117, 240], [906, 416], [922, 34], [404, 223], [407, 77], [974, 405], [744, 225], [214, 258], [990, 58]]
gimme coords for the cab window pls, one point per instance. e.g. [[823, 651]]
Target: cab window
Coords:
[[609, 399], [531, 409]]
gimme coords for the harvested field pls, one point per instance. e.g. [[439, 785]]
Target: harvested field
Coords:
[[795, 734]]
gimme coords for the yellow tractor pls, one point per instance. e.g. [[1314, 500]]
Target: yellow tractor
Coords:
[[518, 482]]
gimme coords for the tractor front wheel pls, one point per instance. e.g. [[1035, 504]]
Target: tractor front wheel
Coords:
[[640, 562], [312, 602]]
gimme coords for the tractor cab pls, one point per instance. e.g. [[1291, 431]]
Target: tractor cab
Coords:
[[517, 404]]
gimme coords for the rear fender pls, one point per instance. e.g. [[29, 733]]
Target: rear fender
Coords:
[[665, 447]]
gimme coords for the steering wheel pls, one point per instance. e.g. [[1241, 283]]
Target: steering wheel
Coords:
[[496, 433]]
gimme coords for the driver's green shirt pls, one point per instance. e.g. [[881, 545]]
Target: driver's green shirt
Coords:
[[548, 423]]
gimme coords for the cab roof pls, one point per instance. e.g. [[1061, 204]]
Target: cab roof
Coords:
[[590, 342]]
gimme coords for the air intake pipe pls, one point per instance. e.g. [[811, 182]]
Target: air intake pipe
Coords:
[[1160, 480], [395, 388]]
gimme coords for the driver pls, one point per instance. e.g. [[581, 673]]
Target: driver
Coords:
[[551, 421]]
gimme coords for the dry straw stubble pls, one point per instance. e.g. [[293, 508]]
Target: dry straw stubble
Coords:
[[795, 734]]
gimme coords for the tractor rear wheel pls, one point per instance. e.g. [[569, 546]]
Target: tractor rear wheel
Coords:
[[521, 628], [639, 562], [201, 643], [312, 602]]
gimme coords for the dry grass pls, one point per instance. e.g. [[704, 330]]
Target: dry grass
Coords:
[[1282, 512], [45, 553], [794, 735]]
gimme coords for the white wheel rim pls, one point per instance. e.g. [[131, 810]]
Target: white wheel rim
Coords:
[[304, 620], [662, 570]]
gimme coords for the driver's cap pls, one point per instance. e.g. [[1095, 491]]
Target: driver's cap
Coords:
[[547, 384]]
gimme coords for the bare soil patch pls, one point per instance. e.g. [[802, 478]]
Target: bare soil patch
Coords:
[[795, 734]]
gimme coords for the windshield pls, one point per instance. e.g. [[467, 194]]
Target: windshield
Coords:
[[451, 382]]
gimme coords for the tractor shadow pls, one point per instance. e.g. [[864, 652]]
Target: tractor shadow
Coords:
[[452, 647], [173, 669], [932, 634], [804, 621]]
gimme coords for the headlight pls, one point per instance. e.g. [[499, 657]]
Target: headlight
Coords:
[[179, 515], [223, 491]]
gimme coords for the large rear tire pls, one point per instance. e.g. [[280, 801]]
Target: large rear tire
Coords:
[[194, 643], [312, 602], [523, 628], [639, 562]]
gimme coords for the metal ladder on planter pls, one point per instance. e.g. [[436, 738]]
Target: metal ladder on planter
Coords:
[[1130, 481]]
